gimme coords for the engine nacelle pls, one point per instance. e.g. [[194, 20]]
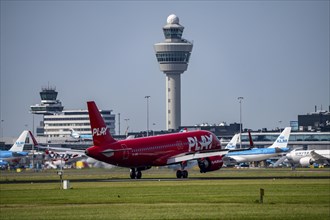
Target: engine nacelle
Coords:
[[306, 161], [210, 164]]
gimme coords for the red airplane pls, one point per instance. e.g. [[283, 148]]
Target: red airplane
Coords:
[[142, 153]]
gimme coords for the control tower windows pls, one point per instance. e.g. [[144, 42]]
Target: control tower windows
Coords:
[[176, 56], [173, 33]]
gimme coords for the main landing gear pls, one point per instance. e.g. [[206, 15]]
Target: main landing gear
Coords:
[[182, 173], [135, 174]]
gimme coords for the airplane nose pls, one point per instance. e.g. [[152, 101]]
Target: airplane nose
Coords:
[[289, 156]]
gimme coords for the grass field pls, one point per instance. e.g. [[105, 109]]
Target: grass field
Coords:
[[215, 197]]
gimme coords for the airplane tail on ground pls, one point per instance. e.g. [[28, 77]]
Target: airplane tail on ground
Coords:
[[74, 134], [250, 139], [232, 143], [18, 146], [100, 132], [35, 143], [283, 139]]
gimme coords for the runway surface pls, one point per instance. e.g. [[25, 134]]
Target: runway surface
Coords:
[[154, 174], [164, 179]]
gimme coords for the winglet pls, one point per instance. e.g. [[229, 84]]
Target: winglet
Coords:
[[100, 132]]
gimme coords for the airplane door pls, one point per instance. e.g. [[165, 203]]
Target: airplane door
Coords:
[[125, 152]]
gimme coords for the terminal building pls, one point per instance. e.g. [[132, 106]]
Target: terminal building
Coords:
[[315, 121], [303, 140], [57, 123]]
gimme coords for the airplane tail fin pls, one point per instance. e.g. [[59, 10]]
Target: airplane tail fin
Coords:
[[100, 132], [33, 139], [250, 139], [18, 146], [232, 143], [74, 134], [283, 139]]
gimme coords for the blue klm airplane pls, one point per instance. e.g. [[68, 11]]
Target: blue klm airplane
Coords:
[[15, 152], [258, 154]]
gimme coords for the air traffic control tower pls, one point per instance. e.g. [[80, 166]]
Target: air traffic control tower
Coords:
[[173, 57]]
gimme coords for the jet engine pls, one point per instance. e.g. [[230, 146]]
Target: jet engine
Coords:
[[306, 161], [210, 164]]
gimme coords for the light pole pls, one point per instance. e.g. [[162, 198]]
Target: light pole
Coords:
[[118, 123], [32, 123], [280, 125], [126, 132], [1, 127], [147, 97], [240, 119], [153, 130]]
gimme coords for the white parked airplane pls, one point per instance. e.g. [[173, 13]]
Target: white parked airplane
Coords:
[[308, 157], [58, 157]]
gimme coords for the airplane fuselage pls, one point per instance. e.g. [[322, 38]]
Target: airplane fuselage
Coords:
[[296, 155], [256, 154], [154, 150], [10, 156]]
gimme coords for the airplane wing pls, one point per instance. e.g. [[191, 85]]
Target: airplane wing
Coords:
[[279, 161], [66, 156], [194, 156], [75, 159], [317, 157], [69, 150], [62, 149], [233, 160]]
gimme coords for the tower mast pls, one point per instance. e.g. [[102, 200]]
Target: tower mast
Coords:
[[173, 56]]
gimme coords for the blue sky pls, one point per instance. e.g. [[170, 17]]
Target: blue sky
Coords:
[[273, 53]]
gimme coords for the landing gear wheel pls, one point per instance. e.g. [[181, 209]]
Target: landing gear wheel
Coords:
[[138, 175], [178, 174], [185, 174], [181, 174], [132, 173]]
